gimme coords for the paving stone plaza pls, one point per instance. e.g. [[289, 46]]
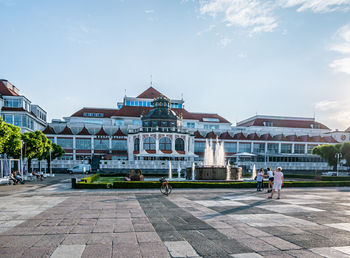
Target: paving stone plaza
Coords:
[[55, 221]]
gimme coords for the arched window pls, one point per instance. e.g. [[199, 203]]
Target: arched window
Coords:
[[137, 144], [165, 143], [179, 144], [149, 143]]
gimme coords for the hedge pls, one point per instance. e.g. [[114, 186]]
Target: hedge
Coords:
[[90, 179], [82, 185]]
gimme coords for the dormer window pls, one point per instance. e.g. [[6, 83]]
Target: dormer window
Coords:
[[93, 114], [268, 123]]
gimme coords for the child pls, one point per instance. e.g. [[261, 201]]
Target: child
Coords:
[[277, 183], [270, 175]]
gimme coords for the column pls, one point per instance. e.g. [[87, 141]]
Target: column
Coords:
[[237, 149], [305, 151], [157, 144], [55, 139], [92, 146], [251, 147], [74, 149], [130, 147], [186, 144], [173, 143], [110, 144], [141, 142], [279, 148], [293, 147]]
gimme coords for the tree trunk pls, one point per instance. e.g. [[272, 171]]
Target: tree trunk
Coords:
[[48, 165], [29, 165]]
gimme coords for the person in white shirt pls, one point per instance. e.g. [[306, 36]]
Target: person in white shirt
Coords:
[[270, 175], [277, 183]]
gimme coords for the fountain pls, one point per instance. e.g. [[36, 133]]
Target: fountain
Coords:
[[214, 167], [193, 173], [253, 172], [170, 171]]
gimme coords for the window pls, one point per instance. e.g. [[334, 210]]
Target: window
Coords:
[[128, 103], [299, 148], [14, 103], [8, 119], [93, 114], [268, 123], [65, 143], [83, 144], [310, 147], [179, 144], [272, 148], [230, 147], [137, 144], [259, 147], [101, 144], [211, 119], [149, 143], [244, 147], [199, 146], [17, 120], [136, 122], [119, 122], [120, 145], [211, 127], [165, 143], [286, 148], [190, 125], [90, 121]]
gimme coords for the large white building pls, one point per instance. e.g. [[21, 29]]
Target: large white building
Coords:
[[16, 109], [131, 135]]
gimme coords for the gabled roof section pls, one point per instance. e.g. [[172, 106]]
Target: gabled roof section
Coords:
[[49, 130], [119, 133], [226, 136], [102, 132], [211, 135], [266, 137], [150, 93], [280, 137], [4, 90], [253, 136], [197, 134], [107, 112], [239, 136], [66, 131], [84, 131]]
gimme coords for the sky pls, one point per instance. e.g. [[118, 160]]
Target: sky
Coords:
[[237, 58]]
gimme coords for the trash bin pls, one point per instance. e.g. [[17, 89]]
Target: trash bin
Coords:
[[74, 183]]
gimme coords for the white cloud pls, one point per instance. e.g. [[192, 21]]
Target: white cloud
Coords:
[[211, 27], [326, 105], [259, 15], [255, 15], [316, 6], [336, 112], [342, 47], [224, 42], [149, 11]]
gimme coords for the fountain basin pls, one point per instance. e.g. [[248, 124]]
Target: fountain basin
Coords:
[[215, 173]]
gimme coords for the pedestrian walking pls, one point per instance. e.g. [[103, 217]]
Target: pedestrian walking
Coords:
[[277, 183], [270, 175]]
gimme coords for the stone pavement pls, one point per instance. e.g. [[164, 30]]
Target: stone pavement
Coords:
[[55, 221]]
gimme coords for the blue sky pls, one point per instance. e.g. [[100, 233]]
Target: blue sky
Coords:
[[237, 58]]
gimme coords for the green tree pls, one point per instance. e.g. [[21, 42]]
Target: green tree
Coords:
[[56, 152], [12, 145], [35, 144], [328, 153], [345, 151], [6, 136]]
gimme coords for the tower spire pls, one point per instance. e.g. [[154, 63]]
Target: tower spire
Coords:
[[151, 81]]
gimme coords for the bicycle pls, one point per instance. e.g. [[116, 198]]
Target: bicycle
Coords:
[[165, 188]]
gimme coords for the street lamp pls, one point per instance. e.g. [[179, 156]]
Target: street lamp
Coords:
[[338, 156]]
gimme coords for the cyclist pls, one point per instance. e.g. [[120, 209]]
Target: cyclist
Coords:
[[165, 188]]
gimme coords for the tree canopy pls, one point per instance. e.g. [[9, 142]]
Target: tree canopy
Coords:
[[10, 139], [328, 153]]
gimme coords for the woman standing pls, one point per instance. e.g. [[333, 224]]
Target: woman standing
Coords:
[[277, 183], [270, 175]]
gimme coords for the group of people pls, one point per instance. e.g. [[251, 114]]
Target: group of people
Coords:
[[275, 181], [16, 177]]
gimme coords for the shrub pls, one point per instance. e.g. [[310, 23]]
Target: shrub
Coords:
[[90, 179], [82, 185]]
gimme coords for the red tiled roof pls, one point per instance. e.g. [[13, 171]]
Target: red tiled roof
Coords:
[[211, 135], [13, 109], [150, 93], [266, 137], [197, 134], [102, 132], [304, 138], [200, 116], [6, 91], [348, 130], [239, 136], [292, 138], [226, 136], [66, 131], [280, 137], [119, 133], [105, 111], [131, 111], [49, 130], [283, 123], [329, 139], [84, 131], [253, 136]]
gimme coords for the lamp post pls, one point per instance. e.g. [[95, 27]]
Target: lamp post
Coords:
[[21, 161], [338, 156], [50, 164]]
